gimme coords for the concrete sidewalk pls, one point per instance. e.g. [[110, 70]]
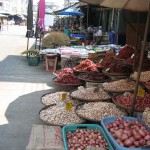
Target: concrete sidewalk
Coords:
[[21, 87]]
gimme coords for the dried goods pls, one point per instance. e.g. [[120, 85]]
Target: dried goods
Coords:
[[125, 100], [146, 116], [122, 85], [64, 71], [82, 138], [99, 110], [68, 79], [147, 84], [58, 115], [131, 134], [106, 62], [125, 52], [90, 94], [144, 77], [86, 65], [53, 98], [94, 76]]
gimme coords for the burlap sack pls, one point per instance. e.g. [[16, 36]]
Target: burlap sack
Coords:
[[45, 138]]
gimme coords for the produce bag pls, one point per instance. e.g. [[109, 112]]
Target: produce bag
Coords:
[[45, 138]]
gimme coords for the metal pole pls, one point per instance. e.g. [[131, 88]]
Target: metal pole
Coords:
[[87, 15], [140, 64]]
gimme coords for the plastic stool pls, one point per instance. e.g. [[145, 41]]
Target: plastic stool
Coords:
[[51, 58]]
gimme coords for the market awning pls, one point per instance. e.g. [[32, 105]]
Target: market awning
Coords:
[[92, 2]]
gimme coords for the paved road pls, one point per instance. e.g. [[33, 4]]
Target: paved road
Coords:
[[21, 87]]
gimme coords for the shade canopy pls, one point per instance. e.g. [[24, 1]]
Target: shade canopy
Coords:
[[132, 5], [71, 12], [30, 15], [41, 14], [92, 2]]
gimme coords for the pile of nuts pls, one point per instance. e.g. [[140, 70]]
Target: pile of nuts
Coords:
[[99, 110], [90, 94], [146, 116], [53, 98], [145, 76], [122, 85], [55, 115]]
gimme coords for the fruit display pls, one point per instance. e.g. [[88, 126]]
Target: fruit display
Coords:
[[82, 138], [90, 94], [122, 85], [68, 79], [144, 77], [99, 110], [129, 134], [125, 52], [125, 100], [146, 116], [86, 65], [64, 71], [93, 77], [58, 115], [53, 98]]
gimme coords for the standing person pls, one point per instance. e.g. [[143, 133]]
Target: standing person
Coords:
[[98, 35], [67, 31]]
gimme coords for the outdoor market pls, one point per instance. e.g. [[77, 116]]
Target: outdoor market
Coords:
[[109, 106]]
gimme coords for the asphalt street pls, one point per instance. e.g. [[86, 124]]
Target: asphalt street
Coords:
[[21, 87]]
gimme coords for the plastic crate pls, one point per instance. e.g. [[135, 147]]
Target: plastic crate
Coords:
[[115, 144], [74, 127], [33, 58]]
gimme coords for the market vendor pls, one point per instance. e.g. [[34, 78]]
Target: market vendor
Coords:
[[98, 35]]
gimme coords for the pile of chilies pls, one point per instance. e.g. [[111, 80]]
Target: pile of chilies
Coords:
[[129, 134]]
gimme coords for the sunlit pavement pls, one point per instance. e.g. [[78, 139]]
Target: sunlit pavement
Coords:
[[21, 87]]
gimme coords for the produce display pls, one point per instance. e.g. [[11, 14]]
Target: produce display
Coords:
[[82, 138], [106, 62], [146, 116], [86, 65], [147, 84], [125, 100], [130, 134], [99, 110], [64, 71], [94, 77], [53, 98], [144, 77], [68, 79], [90, 94], [122, 85], [125, 52], [119, 67], [58, 115]]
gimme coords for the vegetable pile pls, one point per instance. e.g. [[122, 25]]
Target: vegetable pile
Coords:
[[82, 138], [60, 116], [147, 84], [129, 134], [90, 94], [125, 100], [99, 110], [146, 116], [144, 77], [95, 76], [86, 65], [68, 79], [125, 52], [119, 86], [64, 71]]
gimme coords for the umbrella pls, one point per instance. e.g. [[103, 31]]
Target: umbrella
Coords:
[[29, 20], [41, 15], [138, 6], [71, 12]]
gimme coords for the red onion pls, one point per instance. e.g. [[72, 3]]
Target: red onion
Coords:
[[147, 137], [123, 137], [128, 143]]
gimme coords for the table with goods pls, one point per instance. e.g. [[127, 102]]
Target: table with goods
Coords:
[[97, 117]]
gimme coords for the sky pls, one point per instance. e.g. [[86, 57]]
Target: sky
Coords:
[[58, 2]]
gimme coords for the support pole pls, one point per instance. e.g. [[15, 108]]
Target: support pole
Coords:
[[141, 60]]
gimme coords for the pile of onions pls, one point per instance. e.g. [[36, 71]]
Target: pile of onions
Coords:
[[129, 134], [82, 138]]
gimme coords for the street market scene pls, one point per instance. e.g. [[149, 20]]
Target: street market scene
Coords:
[[75, 75]]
